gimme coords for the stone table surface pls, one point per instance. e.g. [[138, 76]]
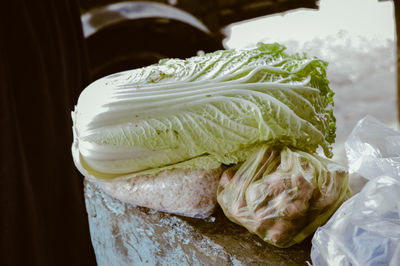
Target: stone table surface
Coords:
[[124, 234]]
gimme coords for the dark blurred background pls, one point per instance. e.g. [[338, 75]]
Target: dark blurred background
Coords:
[[126, 35]]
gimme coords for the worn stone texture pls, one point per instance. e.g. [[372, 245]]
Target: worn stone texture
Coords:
[[124, 234]]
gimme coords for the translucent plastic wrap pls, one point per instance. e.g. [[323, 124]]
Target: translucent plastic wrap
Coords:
[[282, 195], [191, 193], [366, 229], [373, 149]]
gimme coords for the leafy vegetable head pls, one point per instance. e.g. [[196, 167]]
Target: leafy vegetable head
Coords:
[[202, 111]]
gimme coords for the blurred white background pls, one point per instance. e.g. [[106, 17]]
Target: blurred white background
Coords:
[[357, 39], [368, 18]]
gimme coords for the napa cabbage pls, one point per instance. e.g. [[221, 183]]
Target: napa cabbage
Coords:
[[202, 112]]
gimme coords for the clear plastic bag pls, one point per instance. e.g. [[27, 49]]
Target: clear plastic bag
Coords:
[[282, 195], [373, 149], [365, 230], [183, 192]]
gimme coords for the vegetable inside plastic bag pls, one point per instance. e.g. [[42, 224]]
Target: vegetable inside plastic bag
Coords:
[[366, 229], [282, 195]]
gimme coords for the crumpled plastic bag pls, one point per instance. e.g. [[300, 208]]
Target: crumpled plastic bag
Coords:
[[365, 230], [282, 195], [373, 149]]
